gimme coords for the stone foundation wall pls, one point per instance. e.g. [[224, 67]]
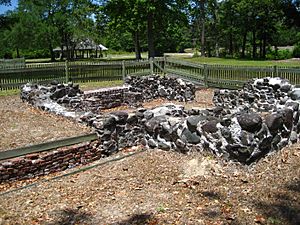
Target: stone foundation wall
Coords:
[[38, 164]]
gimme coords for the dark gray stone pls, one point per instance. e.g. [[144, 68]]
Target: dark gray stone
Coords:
[[210, 126], [58, 94], [287, 115], [250, 122], [121, 117], [110, 123], [295, 94], [189, 137], [192, 122], [54, 82], [152, 126], [274, 122]]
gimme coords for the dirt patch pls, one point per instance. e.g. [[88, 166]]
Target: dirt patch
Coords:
[[23, 125], [203, 100]]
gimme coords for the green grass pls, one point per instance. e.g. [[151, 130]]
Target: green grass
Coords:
[[113, 56], [9, 92], [243, 62]]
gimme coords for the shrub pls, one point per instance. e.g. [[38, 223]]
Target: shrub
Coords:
[[34, 54], [279, 54]]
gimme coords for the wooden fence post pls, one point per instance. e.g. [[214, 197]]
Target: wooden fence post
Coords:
[[67, 70], [205, 74], [275, 71], [165, 62], [123, 70], [151, 66]]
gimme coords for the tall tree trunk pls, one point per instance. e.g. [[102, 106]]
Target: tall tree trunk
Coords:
[[137, 47], [62, 52], [52, 53], [18, 53], [67, 47], [264, 45], [230, 43], [254, 46], [260, 48], [150, 36], [202, 11], [244, 44], [203, 39]]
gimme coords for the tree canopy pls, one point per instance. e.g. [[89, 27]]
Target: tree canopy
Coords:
[[231, 28]]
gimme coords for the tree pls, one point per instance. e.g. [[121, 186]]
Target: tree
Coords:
[[46, 24], [154, 17], [127, 16], [5, 2]]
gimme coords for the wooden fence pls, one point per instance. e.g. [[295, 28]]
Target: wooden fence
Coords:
[[220, 76], [12, 63], [223, 76], [13, 78]]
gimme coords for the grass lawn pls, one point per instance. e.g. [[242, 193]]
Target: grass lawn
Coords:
[[244, 62], [108, 57], [9, 92]]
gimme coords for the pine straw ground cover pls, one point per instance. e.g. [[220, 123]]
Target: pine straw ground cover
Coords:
[[159, 187], [23, 125]]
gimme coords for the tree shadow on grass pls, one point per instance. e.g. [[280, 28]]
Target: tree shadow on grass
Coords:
[[71, 216], [138, 219], [286, 207]]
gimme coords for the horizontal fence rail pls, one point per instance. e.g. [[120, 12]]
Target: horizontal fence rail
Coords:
[[218, 76], [12, 63], [47, 146]]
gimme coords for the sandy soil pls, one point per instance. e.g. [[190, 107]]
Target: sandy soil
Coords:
[[23, 125]]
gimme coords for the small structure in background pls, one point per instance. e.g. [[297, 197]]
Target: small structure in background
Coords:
[[86, 48]]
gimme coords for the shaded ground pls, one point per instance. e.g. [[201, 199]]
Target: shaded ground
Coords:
[[158, 187]]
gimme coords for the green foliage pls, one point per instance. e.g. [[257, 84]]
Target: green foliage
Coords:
[[34, 53], [296, 51], [279, 54], [231, 28]]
